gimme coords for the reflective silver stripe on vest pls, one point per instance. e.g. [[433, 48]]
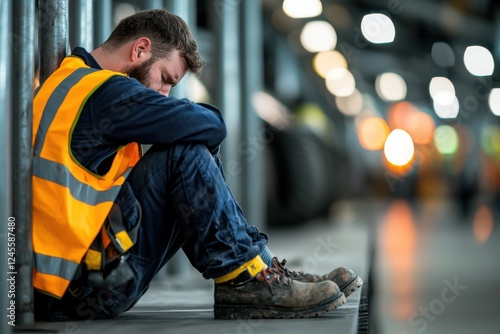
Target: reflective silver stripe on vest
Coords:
[[54, 103], [60, 174], [57, 266]]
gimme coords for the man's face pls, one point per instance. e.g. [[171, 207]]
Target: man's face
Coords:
[[160, 75]]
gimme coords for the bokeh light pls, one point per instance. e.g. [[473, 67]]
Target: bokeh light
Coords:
[[378, 28], [479, 61], [494, 101], [301, 8], [312, 116], [443, 54], [325, 61], [406, 116], [317, 36], [482, 224], [421, 127], [340, 82], [391, 87], [490, 140], [372, 133], [439, 84], [399, 148], [196, 91], [271, 110], [445, 110], [446, 140], [350, 105]]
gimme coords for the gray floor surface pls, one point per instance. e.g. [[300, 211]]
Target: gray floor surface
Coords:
[[433, 274]]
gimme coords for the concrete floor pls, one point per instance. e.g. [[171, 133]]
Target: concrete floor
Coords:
[[184, 303], [436, 271]]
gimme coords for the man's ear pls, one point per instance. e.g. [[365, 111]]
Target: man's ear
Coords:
[[141, 50]]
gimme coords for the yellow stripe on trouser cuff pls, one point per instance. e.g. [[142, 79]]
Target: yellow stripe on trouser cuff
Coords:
[[254, 266]]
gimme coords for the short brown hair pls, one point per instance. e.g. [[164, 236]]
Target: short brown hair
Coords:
[[167, 32]]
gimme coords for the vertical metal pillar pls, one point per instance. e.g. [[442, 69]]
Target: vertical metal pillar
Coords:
[[103, 21], [186, 9], [81, 24], [23, 65], [255, 137], [496, 44], [5, 186], [147, 4], [225, 21], [53, 31]]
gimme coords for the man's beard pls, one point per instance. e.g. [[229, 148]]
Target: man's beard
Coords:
[[141, 72]]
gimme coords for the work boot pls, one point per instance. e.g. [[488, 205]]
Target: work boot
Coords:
[[345, 278], [272, 295]]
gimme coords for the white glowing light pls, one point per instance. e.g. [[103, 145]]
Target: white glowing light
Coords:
[[378, 28], [391, 87], [325, 61], [444, 97], [271, 110], [399, 148], [479, 61], [438, 84], [196, 91], [447, 110], [494, 101], [340, 82], [317, 36], [350, 105], [302, 8]]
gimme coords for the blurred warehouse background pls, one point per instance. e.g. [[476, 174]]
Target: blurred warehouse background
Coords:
[[354, 99], [326, 101]]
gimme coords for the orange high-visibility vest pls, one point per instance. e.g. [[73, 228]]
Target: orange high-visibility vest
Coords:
[[70, 203]]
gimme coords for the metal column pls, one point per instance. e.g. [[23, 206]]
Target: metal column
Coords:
[[147, 4], [81, 24], [5, 157], [225, 21], [186, 9], [53, 31], [23, 65], [255, 138], [103, 21]]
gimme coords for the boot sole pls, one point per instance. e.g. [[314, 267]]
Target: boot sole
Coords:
[[232, 312], [354, 285]]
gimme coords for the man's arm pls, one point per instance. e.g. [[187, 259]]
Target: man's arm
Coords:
[[125, 111]]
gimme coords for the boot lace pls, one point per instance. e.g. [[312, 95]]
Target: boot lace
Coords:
[[280, 267], [276, 278]]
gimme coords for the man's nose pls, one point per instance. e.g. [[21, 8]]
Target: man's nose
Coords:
[[165, 91]]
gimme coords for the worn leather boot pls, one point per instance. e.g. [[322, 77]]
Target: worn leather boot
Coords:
[[272, 295], [345, 278]]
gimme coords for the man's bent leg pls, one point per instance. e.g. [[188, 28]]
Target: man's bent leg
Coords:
[[183, 198], [186, 202]]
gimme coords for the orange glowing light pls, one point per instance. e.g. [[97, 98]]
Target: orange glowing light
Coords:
[[398, 171], [421, 127], [399, 113], [398, 242], [482, 224], [406, 116], [372, 133]]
